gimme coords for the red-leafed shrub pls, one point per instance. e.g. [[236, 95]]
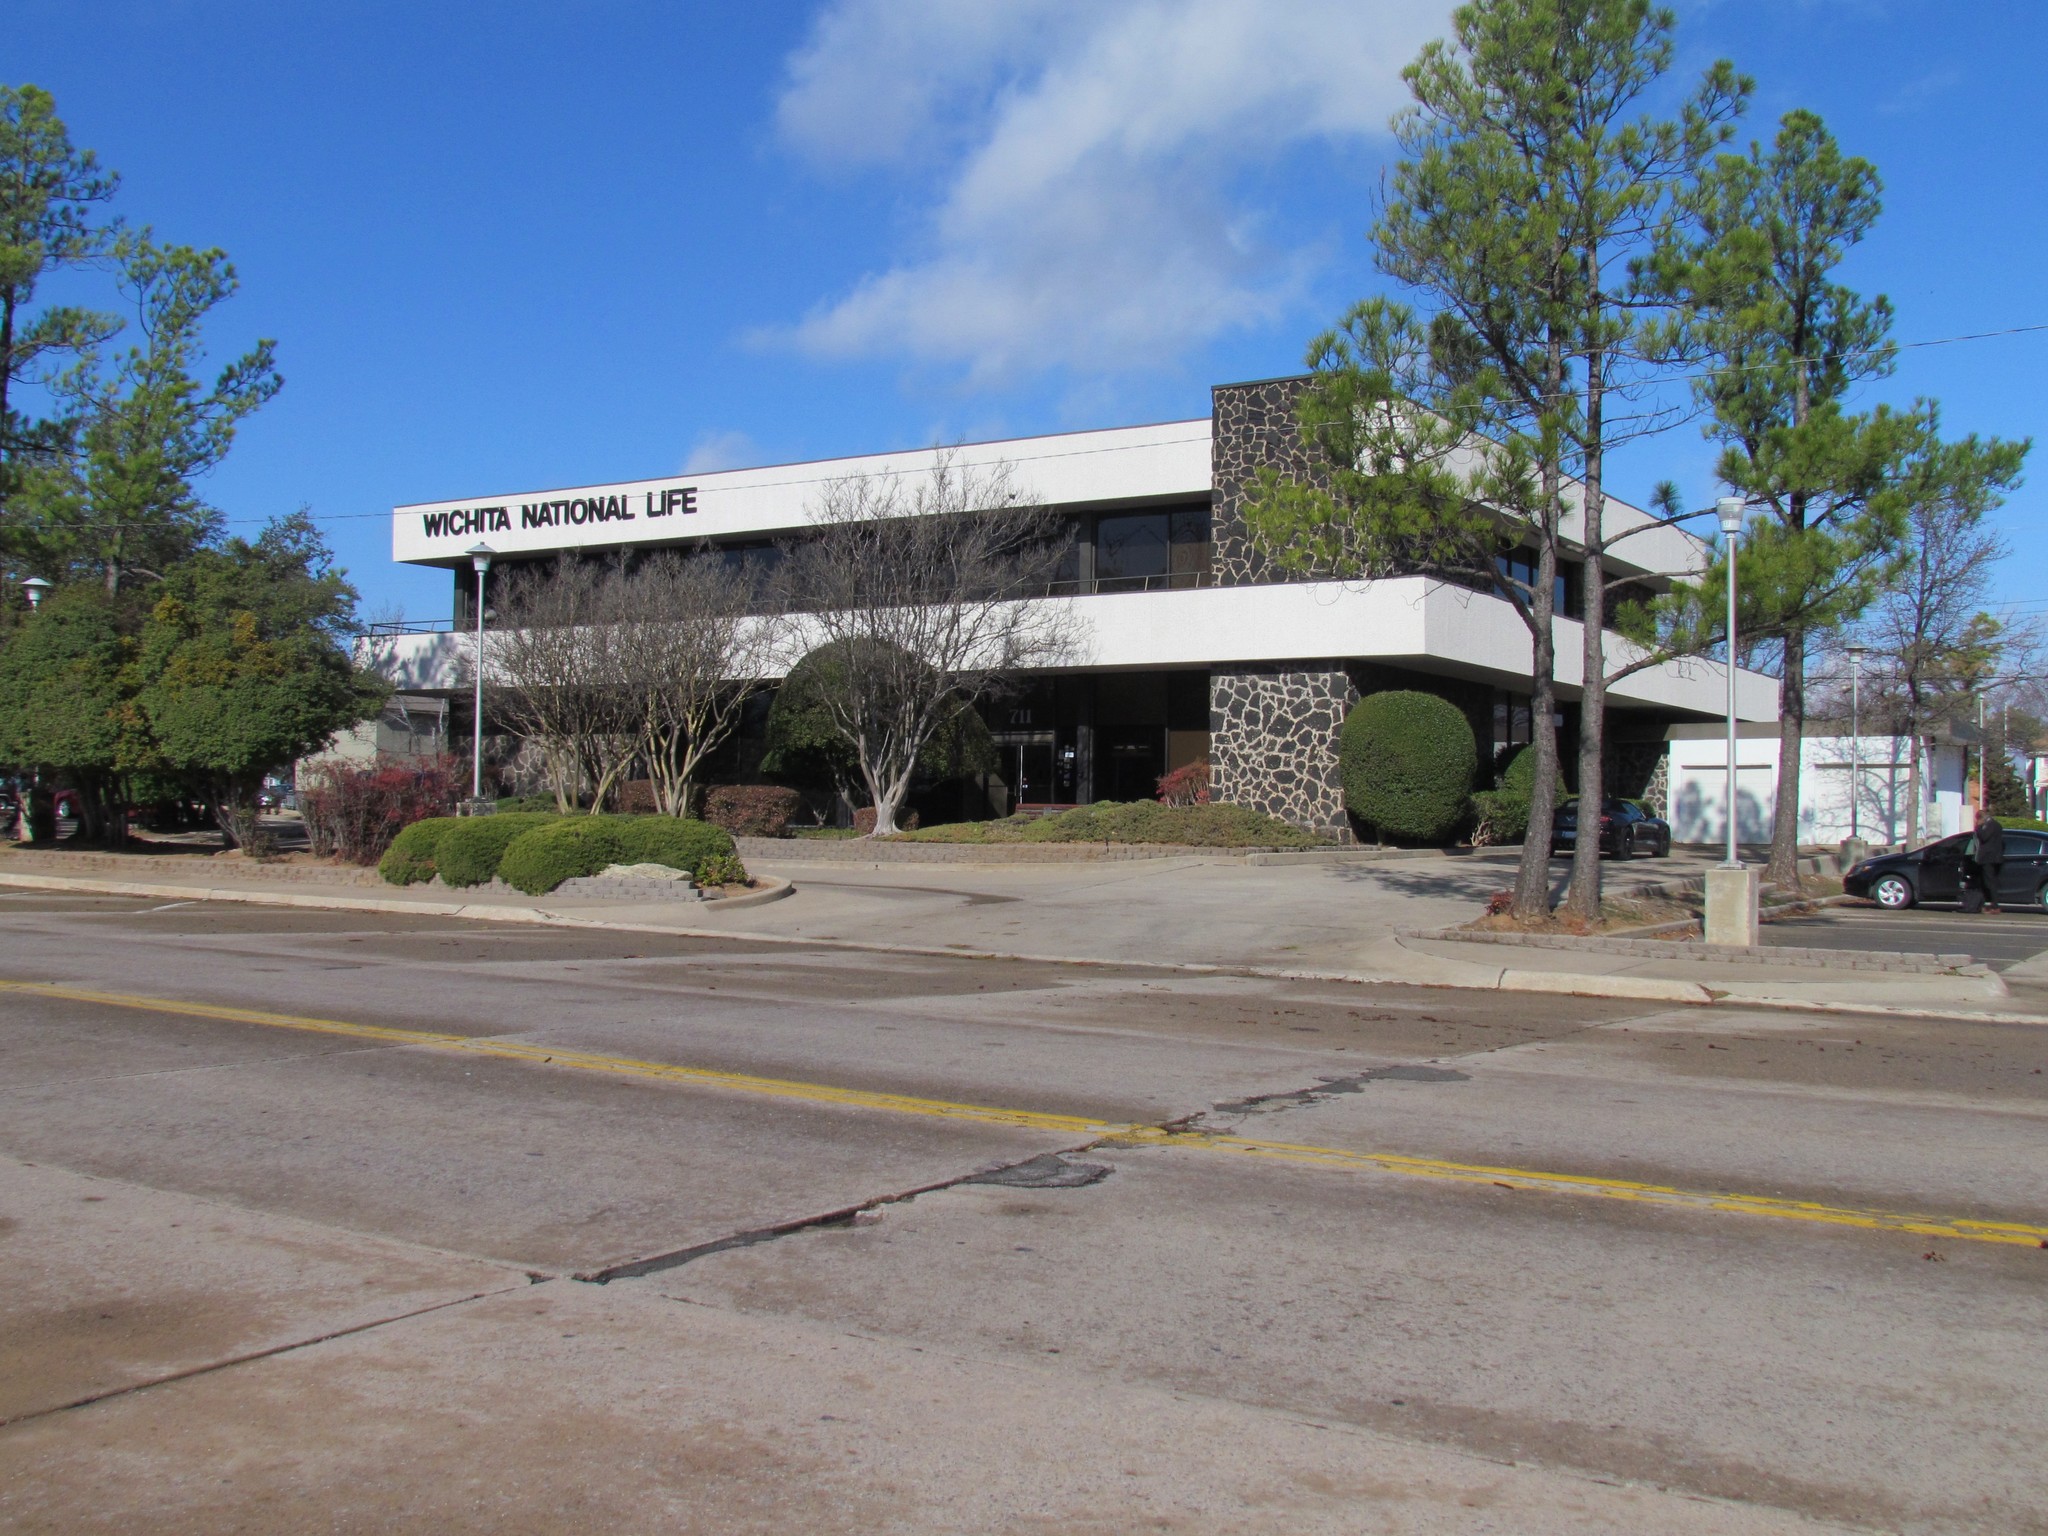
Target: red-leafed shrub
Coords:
[[1188, 785], [752, 810], [864, 822], [635, 797], [354, 810]]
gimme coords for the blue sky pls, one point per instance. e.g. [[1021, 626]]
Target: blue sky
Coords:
[[514, 245]]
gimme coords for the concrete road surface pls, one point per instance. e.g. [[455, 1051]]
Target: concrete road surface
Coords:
[[316, 1221]]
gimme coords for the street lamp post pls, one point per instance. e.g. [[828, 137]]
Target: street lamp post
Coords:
[[1856, 740], [1730, 508], [480, 558], [35, 587], [1733, 892]]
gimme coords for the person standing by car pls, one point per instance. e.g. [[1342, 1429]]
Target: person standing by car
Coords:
[[1990, 861]]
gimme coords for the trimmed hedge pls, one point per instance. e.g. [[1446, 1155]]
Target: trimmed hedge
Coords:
[[468, 852], [410, 858], [566, 848], [572, 847], [752, 810], [671, 840], [537, 852], [1407, 761]]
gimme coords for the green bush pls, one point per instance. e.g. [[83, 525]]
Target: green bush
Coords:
[[1407, 761], [563, 848], [469, 851], [543, 805], [1518, 773], [672, 840], [410, 858], [722, 869], [1500, 817], [1138, 821]]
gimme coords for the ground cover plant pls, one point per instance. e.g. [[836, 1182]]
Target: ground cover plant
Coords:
[[1140, 821]]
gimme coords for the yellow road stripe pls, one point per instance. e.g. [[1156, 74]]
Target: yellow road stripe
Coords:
[[588, 1061], [1960, 1229]]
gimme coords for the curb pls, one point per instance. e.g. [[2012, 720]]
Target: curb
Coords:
[[1636, 988]]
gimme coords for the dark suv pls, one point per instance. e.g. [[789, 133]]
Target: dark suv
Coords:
[[1626, 829]]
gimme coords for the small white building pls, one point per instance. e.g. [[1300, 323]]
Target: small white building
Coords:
[[1846, 787]]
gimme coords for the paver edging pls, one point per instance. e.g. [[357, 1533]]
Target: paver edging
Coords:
[[1901, 962]]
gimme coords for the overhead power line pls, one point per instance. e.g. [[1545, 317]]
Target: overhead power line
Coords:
[[1895, 346]]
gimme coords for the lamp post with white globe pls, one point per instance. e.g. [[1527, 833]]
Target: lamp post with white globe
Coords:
[[480, 558], [1733, 892]]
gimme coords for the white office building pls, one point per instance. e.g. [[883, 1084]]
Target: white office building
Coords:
[[1192, 646]]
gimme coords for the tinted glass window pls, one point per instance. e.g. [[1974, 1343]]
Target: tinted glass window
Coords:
[[2023, 845], [1129, 548]]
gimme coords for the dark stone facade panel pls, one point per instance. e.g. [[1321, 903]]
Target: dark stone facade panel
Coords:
[[1254, 429], [1273, 740]]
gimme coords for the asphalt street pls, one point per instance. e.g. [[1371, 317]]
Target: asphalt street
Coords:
[[325, 1221], [1999, 939]]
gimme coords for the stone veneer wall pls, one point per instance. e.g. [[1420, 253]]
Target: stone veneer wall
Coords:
[[1254, 429], [1272, 727], [1273, 740]]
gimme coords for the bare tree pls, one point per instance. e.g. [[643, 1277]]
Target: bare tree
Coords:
[[688, 650], [558, 682], [1935, 644], [922, 586], [612, 668]]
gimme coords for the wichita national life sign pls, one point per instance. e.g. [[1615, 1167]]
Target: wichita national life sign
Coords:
[[1138, 464], [563, 512]]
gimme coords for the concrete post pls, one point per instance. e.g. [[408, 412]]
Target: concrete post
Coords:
[[1733, 898]]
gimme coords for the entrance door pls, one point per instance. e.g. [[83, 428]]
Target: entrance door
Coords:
[[1027, 758], [1133, 763]]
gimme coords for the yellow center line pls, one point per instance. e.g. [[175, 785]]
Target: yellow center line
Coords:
[[588, 1061], [1961, 1229]]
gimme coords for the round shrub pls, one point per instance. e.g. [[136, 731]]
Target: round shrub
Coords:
[[1407, 761], [1518, 774], [672, 840], [564, 848], [469, 851], [410, 858], [752, 810]]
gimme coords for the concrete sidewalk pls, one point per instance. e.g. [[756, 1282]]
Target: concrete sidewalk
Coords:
[[1354, 922]]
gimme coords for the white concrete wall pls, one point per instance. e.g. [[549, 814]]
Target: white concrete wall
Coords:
[[1828, 769], [1076, 468], [1408, 620]]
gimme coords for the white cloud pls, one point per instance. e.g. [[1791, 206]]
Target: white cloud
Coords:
[[720, 449], [1088, 159]]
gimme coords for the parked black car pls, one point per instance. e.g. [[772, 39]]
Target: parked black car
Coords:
[[1938, 871], [1626, 829]]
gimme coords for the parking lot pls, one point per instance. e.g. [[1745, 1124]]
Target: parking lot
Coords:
[[1999, 940]]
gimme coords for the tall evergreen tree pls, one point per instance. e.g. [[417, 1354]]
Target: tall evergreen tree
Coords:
[[1788, 346], [1534, 189], [50, 197], [122, 501]]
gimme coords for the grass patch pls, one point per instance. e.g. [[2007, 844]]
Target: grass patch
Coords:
[[1139, 821]]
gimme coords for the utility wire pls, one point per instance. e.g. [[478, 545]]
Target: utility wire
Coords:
[[346, 517]]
